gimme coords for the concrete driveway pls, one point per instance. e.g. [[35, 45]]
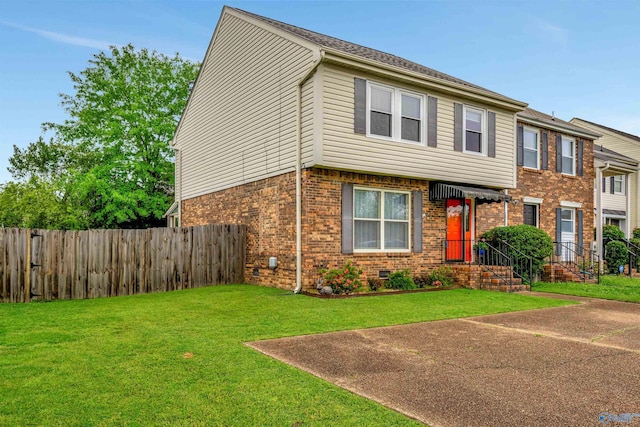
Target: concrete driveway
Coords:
[[568, 366]]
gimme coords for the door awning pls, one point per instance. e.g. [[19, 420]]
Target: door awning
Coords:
[[443, 191]]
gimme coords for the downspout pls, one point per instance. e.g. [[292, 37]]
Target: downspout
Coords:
[[506, 210], [599, 215], [302, 81]]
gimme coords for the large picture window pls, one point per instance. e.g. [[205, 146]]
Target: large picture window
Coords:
[[395, 114], [380, 220]]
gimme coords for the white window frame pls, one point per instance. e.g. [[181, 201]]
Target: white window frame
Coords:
[[483, 126], [381, 220], [572, 220], [619, 179], [573, 154], [524, 149], [396, 113]]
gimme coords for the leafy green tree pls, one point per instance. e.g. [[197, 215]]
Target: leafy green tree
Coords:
[[111, 158]]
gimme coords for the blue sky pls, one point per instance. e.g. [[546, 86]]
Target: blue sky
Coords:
[[575, 58]]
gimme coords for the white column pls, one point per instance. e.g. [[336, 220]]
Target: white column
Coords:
[[598, 216]]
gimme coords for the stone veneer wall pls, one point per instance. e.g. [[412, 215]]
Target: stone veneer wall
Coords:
[[267, 208], [551, 186]]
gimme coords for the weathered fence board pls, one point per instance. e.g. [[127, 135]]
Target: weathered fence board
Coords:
[[105, 263]]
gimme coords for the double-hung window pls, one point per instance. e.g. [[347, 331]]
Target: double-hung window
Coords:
[[531, 148], [474, 130], [380, 220], [395, 114], [618, 184], [568, 156]]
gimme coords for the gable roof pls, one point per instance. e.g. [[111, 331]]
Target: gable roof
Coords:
[[616, 131], [538, 117], [332, 43], [606, 154]]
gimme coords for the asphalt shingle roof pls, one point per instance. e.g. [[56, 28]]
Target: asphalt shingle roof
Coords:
[[619, 132], [364, 52], [538, 115]]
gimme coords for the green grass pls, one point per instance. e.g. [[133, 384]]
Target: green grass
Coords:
[[618, 288], [119, 361]]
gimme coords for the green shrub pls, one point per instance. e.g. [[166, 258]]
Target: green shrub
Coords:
[[612, 232], [636, 233], [526, 239], [421, 280], [440, 276], [375, 283], [401, 280], [616, 254], [344, 280], [635, 241]]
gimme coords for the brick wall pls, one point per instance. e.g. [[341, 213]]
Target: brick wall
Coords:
[[551, 186], [267, 208]]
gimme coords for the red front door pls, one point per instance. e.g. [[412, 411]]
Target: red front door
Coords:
[[459, 229]]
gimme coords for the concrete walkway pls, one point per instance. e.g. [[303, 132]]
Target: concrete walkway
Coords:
[[552, 367]]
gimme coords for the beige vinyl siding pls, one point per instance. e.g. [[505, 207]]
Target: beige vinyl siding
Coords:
[[627, 147], [344, 149], [307, 125], [613, 201], [240, 124]]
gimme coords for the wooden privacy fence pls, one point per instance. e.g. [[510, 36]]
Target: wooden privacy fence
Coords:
[[48, 265]]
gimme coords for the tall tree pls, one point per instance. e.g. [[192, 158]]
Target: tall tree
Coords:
[[111, 157]]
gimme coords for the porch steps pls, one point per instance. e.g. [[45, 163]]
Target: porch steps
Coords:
[[476, 277], [558, 273]]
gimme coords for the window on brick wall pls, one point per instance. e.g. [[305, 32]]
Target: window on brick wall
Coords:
[[530, 214], [380, 220]]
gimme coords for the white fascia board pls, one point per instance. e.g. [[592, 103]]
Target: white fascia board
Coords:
[[566, 204]]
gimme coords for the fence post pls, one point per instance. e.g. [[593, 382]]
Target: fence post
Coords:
[[27, 278]]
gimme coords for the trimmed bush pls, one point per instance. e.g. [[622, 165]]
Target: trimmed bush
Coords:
[[345, 280], [635, 241], [616, 254], [612, 232], [527, 239], [636, 233], [401, 280]]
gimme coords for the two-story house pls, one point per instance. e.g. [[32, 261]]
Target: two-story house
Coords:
[[554, 183], [329, 151], [618, 180]]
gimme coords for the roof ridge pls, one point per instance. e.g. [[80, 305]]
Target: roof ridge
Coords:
[[364, 51], [620, 132]]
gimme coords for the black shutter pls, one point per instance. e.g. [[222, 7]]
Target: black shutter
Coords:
[[558, 153], [417, 221], [360, 110], [432, 122], [580, 149], [558, 230], [545, 151], [347, 218], [520, 144], [580, 230], [613, 185], [457, 126], [491, 121], [604, 184]]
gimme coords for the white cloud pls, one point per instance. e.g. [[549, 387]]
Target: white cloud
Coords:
[[62, 38]]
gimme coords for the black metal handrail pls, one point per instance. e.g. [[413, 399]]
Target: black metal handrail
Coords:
[[634, 252], [580, 261], [488, 257], [521, 262]]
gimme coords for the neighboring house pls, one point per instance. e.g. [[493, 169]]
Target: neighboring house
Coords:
[[621, 192], [555, 183], [330, 151]]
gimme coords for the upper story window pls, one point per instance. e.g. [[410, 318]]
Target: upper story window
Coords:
[[568, 156], [474, 132], [618, 184], [531, 147], [395, 114], [380, 220]]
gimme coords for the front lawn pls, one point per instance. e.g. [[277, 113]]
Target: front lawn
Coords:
[[178, 358], [618, 288]]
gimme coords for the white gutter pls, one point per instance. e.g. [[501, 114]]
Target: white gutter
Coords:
[[304, 78]]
